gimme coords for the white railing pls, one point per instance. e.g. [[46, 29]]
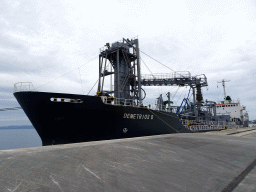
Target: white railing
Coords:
[[202, 122], [131, 102], [177, 74], [212, 125], [227, 102], [209, 127], [118, 101], [23, 86]]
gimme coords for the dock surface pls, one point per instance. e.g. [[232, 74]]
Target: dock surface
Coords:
[[212, 161]]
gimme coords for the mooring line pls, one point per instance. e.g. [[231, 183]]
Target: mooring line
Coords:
[[163, 121]]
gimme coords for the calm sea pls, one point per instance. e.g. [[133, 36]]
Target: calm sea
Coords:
[[14, 138]]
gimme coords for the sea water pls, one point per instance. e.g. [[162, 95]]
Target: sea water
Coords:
[[19, 138]]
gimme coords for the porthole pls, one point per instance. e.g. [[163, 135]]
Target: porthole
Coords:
[[66, 100]]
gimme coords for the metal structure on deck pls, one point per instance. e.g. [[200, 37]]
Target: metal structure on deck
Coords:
[[121, 62], [180, 78], [125, 66]]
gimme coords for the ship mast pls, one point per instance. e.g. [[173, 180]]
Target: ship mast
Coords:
[[223, 84]]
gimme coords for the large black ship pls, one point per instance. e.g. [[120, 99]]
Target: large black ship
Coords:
[[61, 118]]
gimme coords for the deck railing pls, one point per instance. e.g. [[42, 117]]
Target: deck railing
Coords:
[[23, 86], [211, 125], [133, 103]]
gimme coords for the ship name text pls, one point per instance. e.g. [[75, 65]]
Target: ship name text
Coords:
[[137, 116]]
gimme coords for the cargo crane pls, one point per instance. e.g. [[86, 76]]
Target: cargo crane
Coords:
[[181, 79]]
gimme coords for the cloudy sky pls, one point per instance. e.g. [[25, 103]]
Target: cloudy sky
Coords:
[[43, 40]]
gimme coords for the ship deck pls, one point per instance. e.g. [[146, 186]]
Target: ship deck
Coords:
[[213, 161]]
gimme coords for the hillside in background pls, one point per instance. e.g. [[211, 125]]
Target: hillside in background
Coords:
[[18, 127]]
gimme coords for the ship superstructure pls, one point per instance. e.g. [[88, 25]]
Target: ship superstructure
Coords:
[[234, 109]]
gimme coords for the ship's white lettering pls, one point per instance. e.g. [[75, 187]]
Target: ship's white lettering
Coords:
[[137, 116]]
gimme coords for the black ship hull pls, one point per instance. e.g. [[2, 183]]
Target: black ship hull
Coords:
[[68, 118]]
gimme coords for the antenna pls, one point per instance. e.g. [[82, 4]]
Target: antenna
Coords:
[[223, 84]]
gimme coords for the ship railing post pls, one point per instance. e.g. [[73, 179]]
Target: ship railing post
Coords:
[[127, 102]]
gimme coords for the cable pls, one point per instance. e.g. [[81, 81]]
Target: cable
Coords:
[[147, 67], [67, 73], [181, 94], [93, 87], [157, 61], [161, 63], [81, 80], [175, 93], [144, 94]]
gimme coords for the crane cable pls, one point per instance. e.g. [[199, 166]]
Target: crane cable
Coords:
[[93, 86], [157, 61], [161, 63], [182, 93], [175, 93], [67, 73], [81, 80], [147, 67]]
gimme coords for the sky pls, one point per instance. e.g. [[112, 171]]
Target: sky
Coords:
[[55, 45]]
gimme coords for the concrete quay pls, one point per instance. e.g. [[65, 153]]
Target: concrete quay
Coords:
[[238, 132], [211, 161]]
